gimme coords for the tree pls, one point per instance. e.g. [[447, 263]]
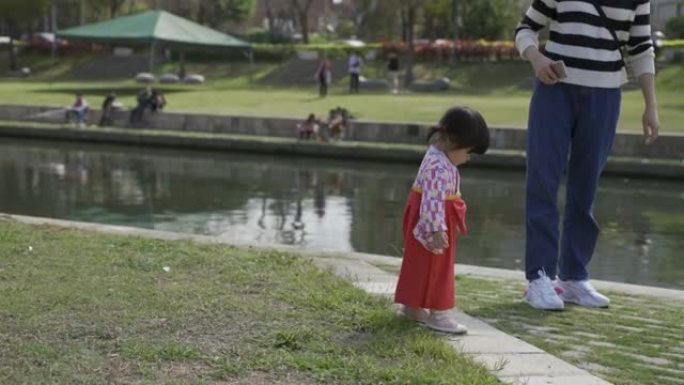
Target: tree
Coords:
[[437, 16], [15, 14], [675, 27], [376, 19], [215, 12], [280, 18], [104, 8], [114, 7], [488, 19], [302, 8], [409, 13]]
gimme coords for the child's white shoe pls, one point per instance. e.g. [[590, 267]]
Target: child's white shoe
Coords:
[[442, 321], [416, 314]]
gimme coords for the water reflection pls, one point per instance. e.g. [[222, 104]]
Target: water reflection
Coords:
[[313, 203]]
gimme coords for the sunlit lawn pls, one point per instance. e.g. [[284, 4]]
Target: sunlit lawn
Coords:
[[502, 106]]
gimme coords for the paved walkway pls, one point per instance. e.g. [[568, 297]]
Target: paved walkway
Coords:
[[509, 358]]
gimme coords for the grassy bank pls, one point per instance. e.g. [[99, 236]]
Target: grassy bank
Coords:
[[495, 89], [85, 308]]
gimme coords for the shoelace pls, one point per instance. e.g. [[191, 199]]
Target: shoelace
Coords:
[[545, 286]]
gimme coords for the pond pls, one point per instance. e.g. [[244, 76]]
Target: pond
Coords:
[[331, 204]]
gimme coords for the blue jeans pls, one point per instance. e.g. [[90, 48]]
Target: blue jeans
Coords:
[[571, 130]]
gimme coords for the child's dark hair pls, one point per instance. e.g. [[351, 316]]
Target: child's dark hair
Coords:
[[462, 127]]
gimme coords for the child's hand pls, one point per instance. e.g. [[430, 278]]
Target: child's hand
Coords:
[[438, 242]]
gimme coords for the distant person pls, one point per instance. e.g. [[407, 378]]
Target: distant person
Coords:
[[393, 69], [157, 101], [355, 64], [434, 216], [338, 119], [108, 107], [79, 111], [309, 128], [324, 75], [142, 100]]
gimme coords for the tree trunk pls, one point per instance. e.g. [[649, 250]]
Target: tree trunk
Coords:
[[269, 18], [53, 29], [303, 15], [181, 64], [410, 22], [81, 12], [304, 22], [404, 22], [114, 6], [153, 48], [12, 54]]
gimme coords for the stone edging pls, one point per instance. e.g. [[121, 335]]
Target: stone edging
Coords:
[[627, 144], [502, 159]]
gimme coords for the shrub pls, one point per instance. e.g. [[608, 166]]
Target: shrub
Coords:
[[479, 50], [675, 27]]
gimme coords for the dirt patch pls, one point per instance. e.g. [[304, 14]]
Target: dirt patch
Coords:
[[260, 378]]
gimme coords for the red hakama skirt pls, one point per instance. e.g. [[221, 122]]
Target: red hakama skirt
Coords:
[[426, 280]]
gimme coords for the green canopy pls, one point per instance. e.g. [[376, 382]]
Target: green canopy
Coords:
[[152, 27]]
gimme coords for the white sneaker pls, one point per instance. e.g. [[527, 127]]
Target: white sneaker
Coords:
[[582, 293], [541, 294], [442, 321]]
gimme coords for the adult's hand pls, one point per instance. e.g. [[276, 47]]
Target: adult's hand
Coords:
[[542, 66], [649, 121], [650, 124]]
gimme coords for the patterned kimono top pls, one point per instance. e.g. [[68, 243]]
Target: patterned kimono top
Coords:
[[438, 179]]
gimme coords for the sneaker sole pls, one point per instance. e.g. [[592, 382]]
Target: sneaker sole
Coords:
[[561, 308], [448, 331], [572, 301]]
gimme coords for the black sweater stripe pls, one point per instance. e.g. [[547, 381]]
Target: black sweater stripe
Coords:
[[622, 4], [635, 41], [587, 64], [542, 8], [640, 49], [531, 23], [642, 20], [595, 20], [583, 41]]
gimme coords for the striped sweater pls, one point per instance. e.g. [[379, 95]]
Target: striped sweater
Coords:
[[578, 37]]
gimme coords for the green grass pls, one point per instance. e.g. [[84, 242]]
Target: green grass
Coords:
[[85, 308], [491, 88]]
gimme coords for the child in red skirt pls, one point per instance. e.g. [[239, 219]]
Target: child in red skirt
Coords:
[[434, 214]]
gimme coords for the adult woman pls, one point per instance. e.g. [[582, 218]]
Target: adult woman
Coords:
[[573, 117]]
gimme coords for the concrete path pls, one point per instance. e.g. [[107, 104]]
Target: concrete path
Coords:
[[495, 273]]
